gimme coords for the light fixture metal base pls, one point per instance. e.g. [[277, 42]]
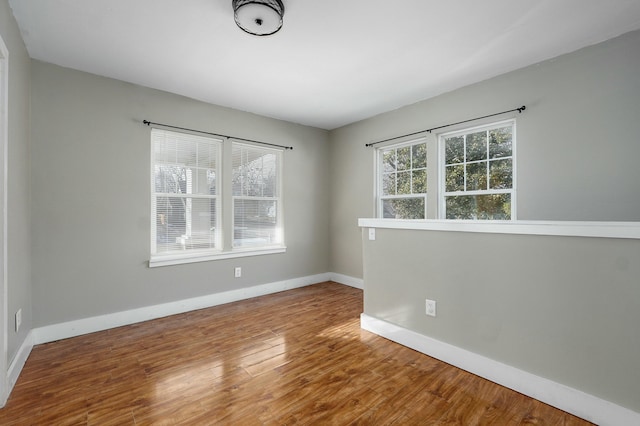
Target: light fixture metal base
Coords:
[[258, 17]]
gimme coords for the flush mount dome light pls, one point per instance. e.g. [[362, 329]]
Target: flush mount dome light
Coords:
[[258, 17]]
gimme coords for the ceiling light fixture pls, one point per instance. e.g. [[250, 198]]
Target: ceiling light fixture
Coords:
[[258, 17]]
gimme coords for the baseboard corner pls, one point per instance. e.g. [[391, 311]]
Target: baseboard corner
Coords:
[[18, 362], [347, 280]]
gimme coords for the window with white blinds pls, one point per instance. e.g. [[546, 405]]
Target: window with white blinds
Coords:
[[213, 198], [256, 196], [184, 202]]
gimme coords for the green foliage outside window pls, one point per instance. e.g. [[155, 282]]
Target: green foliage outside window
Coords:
[[404, 174], [479, 161]]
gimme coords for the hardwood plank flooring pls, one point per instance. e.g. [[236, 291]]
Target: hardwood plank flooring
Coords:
[[296, 357]]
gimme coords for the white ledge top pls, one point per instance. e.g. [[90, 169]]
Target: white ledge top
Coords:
[[630, 230]]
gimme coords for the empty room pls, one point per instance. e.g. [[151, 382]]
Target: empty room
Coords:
[[270, 212]]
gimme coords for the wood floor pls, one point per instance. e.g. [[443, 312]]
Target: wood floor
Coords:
[[297, 357]]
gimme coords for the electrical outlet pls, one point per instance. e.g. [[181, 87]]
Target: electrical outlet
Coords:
[[18, 319], [237, 272], [431, 308], [372, 234]]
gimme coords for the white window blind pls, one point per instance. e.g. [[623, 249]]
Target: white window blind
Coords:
[[257, 205], [185, 187]]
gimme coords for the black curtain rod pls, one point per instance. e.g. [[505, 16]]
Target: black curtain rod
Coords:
[[522, 108], [149, 123]]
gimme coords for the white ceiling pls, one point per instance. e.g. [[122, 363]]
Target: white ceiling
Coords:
[[332, 63]]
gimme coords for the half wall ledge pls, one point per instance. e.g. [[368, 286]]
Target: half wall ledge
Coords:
[[628, 230]]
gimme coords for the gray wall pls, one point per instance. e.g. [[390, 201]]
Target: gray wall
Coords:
[[18, 195], [90, 167], [577, 143], [563, 308]]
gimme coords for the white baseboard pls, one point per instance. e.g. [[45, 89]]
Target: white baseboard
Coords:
[[15, 368], [65, 330], [347, 280], [571, 400], [69, 329]]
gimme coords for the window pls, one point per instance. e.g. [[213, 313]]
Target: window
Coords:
[[402, 181], [193, 178], [184, 194], [476, 173], [475, 169], [256, 196]]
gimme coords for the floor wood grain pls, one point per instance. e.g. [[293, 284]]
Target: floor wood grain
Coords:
[[296, 357]]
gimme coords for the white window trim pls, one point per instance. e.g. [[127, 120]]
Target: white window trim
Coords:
[[178, 259], [378, 175], [224, 239], [442, 194], [5, 385]]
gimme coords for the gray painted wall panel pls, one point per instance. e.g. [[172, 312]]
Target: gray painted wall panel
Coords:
[[18, 182], [563, 308], [91, 202], [577, 147]]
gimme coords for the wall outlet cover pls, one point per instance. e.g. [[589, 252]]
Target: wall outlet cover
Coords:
[[430, 308]]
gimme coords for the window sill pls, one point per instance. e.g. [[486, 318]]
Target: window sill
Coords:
[[629, 230], [178, 259]]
